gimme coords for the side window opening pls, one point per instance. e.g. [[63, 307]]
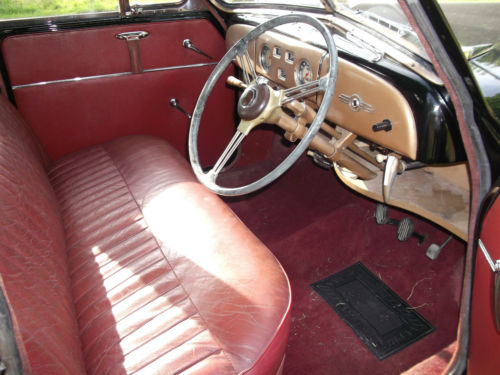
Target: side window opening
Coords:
[[22, 9], [13, 9]]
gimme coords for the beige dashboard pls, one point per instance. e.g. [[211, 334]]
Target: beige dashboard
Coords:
[[361, 98]]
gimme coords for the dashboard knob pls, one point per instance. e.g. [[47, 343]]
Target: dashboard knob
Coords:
[[385, 125]]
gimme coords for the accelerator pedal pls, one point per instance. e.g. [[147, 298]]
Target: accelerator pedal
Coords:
[[434, 249]]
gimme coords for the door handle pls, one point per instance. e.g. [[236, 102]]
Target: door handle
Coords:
[[132, 38], [495, 267], [132, 35]]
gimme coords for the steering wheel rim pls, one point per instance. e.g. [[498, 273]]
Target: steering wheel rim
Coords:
[[329, 81]]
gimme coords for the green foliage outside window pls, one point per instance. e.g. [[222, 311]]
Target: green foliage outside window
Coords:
[[36, 8], [10, 9]]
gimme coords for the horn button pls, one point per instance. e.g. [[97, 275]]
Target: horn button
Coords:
[[253, 101]]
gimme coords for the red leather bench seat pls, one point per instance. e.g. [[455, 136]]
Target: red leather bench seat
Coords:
[[115, 260]]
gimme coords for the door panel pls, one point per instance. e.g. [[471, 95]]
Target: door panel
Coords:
[[485, 338], [109, 101], [87, 52]]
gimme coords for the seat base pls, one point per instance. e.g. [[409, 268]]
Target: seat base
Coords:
[[164, 275]]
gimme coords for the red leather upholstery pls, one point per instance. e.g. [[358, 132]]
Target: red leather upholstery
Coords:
[[33, 253], [164, 277]]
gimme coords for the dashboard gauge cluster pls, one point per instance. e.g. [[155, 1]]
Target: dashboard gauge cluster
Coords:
[[282, 64], [304, 72], [265, 58], [282, 74], [277, 52]]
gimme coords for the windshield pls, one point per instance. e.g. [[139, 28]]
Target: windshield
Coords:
[[388, 16], [477, 28], [386, 12], [474, 22]]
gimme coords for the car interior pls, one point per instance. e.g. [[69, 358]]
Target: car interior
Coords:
[[175, 183]]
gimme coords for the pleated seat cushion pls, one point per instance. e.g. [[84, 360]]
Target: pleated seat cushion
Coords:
[[165, 278]]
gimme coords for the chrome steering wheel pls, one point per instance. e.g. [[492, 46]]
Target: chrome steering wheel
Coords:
[[259, 104]]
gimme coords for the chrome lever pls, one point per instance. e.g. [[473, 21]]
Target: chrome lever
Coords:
[[186, 43], [494, 265], [173, 103], [393, 167]]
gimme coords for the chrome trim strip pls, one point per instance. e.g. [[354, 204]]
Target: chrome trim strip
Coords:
[[180, 67], [77, 79]]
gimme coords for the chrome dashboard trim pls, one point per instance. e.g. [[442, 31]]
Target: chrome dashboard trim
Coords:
[[355, 102], [111, 75]]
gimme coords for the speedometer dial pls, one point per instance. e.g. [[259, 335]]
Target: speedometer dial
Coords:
[[303, 73], [265, 58]]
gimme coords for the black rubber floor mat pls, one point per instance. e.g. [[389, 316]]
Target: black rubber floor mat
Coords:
[[380, 318]]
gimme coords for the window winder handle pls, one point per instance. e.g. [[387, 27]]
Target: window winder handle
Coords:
[[175, 104], [186, 43]]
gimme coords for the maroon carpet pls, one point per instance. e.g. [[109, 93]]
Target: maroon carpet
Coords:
[[315, 226]]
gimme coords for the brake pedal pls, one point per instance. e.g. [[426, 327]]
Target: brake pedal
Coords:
[[405, 226], [406, 230]]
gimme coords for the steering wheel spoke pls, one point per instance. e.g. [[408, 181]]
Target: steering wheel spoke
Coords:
[[247, 66], [226, 155], [304, 90]]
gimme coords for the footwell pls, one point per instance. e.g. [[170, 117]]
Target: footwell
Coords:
[[316, 227]]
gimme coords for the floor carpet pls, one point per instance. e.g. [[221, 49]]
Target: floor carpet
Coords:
[[316, 226]]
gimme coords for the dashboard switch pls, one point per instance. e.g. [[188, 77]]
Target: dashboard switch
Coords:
[[385, 125]]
